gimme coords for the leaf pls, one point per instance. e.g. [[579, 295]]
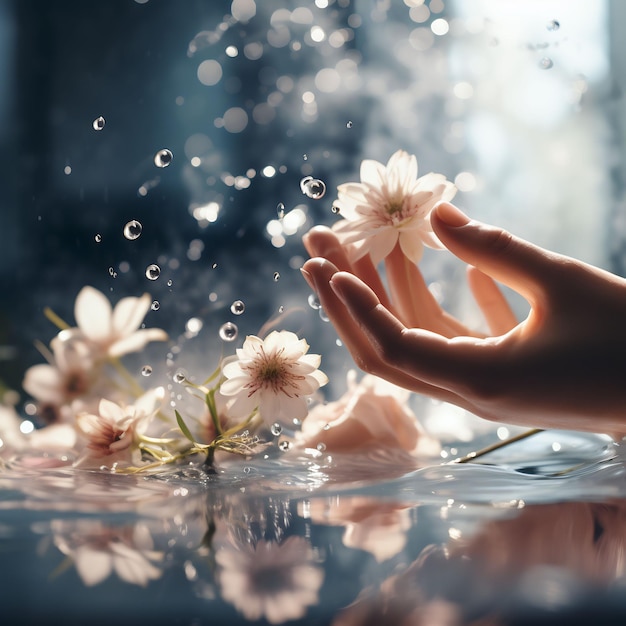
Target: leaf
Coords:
[[183, 427]]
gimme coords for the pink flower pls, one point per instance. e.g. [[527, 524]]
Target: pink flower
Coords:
[[371, 414], [112, 434], [390, 205]]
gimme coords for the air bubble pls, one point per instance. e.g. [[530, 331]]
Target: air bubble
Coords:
[[553, 25], [156, 305], [313, 187], [146, 370], [281, 309], [132, 230], [335, 209], [228, 331], [280, 210], [284, 445], [163, 158], [276, 429], [98, 123], [276, 277], [349, 124], [320, 447], [314, 301], [237, 307], [247, 470], [170, 282], [323, 315], [112, 272], [180, 376], [546, 63], [98, 238], [153, 271]]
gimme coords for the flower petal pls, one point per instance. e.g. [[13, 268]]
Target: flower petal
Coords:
[[92, 311], [411, 245], [129, 313], [137, 341]]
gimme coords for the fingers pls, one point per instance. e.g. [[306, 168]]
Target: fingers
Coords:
[[512, 261], [319, 274], [321, 241], [414, 304], [426, 356], [492, 303]]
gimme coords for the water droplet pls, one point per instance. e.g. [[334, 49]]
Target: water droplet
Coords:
[[553, 25], [180, 376], [98, 238], [228, 331], [305, 157], [349, 124], [170, 282], [281, 308], [326, 426], [546, 63], [132, 229], [323, 316], [153, 272], [284, 445], [247, 470], [276, 429], [280, 210], [320, 447], [163, 158], [98, 123], [313, 188], [276, 277], [314, 301], [156, 305], [237, 307], [112, 272], [146, 370], [335, 209]]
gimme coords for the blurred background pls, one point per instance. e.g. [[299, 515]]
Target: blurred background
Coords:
[[520, 102]]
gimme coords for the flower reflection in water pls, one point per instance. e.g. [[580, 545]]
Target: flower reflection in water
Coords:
[[278, 581], [99, 550]]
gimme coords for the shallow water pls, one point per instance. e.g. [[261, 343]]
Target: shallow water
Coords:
[[307, 538]]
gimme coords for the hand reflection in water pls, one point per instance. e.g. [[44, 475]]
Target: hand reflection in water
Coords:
[[562, 367], [543, 556]]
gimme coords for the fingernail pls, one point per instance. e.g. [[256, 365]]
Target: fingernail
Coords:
[[450, 215], [308, 278], [337, 290]]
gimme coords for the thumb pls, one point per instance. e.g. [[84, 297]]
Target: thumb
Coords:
[[526, 268]]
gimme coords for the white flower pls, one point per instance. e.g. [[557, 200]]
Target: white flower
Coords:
[[274, 375], [390, 205], [111, 435], [277, 581], [114, 330], [72, 374]]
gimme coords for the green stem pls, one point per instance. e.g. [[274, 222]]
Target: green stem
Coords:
[[496, 446]]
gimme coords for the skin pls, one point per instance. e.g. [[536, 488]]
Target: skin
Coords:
[[564, 366]]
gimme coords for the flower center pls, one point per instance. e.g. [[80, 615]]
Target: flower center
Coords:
[[273, 372]]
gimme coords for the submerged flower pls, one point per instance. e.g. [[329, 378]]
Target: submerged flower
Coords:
[[115, 331], [390, 205], [111, 434], [275, 375], [373, 413]]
